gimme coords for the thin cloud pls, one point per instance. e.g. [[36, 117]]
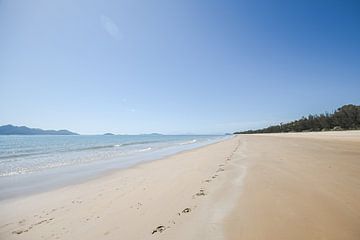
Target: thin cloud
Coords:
[[110, 26]]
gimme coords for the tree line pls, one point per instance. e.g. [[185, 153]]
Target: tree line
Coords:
[[346, 117]]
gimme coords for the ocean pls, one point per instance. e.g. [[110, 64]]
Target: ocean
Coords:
[[41, 162]]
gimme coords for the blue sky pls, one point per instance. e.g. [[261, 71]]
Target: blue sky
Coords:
[[179, 66]]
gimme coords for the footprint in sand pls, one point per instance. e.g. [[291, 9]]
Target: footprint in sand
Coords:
[[139, 204], [162, 228], [159, 229], [21, 221], [20, 231], [186, 210], [201, 193]]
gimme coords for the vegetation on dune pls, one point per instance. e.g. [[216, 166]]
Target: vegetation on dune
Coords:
[[346, 117]]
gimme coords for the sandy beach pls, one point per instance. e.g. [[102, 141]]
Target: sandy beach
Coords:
[[266, 186]]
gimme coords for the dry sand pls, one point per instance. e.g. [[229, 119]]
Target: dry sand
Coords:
[[279, 186], [299, 186]]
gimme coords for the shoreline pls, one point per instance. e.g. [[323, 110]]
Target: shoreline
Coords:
[[169, 192], [73, 175]]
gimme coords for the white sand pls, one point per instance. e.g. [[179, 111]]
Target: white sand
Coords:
[[276, 186]]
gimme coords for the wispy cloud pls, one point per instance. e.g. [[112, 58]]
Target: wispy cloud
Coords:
[[110, 26]]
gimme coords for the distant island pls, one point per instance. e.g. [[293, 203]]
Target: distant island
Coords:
[[109, 134], [16, 130], [346, 117]]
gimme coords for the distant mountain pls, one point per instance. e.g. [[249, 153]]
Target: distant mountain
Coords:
[[109, 134], [15, 130]]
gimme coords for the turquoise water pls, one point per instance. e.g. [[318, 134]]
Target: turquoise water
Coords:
[[35, 163]]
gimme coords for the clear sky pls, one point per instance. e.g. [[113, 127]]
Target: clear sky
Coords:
[[179, 66]]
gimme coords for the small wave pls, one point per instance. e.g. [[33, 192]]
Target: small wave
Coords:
[[54, 165], [18, 172], [35, 169], [94, 147], [20, 155], [13, 157], [145, 149], [188, 142], [139, 143]]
